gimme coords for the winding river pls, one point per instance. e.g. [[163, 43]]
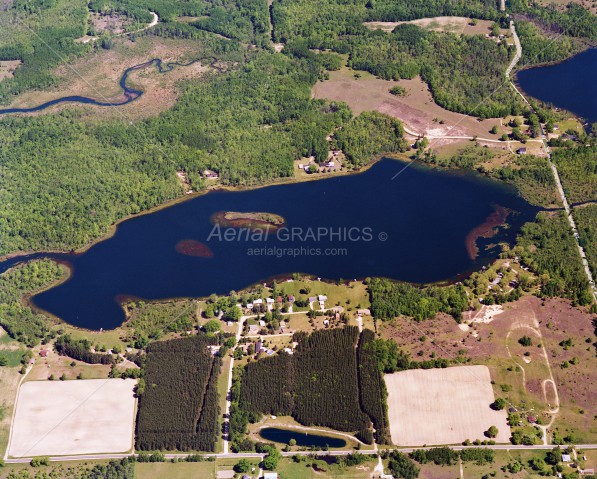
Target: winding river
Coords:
[[425, 226], [129, 94]]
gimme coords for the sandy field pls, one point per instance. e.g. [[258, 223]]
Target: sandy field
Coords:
[[73, 417], [458, 25], [419, 112], [442, 406]]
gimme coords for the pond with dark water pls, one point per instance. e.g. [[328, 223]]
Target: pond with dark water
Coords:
[[276, 434], [569, 85], [424, 226]]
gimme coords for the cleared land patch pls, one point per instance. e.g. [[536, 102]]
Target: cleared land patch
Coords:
[[73, 417], [8, 67], [458, 25], [420, 114], [442, 406]]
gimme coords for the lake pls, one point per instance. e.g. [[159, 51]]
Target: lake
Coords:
[[424, 226], [276, 434], [569, 85]]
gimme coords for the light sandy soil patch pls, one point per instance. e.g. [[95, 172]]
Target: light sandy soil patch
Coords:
[[458, 25], [98, 75], [442, 406], [420, 114], [114, 23], [73, 417], [8, 67]]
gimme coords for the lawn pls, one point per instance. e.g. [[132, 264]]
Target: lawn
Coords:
[[353, 296], [179, 470], [288, 469]]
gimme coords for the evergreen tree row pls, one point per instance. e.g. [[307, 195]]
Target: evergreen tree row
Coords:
[[178, 405]]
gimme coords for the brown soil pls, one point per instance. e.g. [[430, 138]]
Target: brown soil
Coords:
[[457, 25], [418, 111], [8, 67], [113, 23]]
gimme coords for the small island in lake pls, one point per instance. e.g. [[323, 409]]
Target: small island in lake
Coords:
[[237, 219]]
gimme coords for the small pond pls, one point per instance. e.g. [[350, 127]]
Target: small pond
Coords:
[[276, 434]]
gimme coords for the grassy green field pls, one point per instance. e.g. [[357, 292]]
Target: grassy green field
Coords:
[[288, 469], [354, 296], [179, 470]]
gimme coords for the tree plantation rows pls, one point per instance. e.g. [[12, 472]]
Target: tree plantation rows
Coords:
[[178, 405], [325, 383], [372, 387]]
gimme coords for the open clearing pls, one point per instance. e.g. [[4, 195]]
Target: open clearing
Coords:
[[419, 112], [8, 67], [458, 25], [442, 406], [98, 74], [73, 417]]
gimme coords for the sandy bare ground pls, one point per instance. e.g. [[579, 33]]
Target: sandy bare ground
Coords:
[[458, 25], [442, 406], [8, 67], [73, 417], [420, 114]]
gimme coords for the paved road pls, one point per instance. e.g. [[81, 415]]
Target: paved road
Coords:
[[97, 457]]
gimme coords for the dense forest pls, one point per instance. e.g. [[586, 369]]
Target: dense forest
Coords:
[[391, 298], [178, 405], [321, 384], [586, 223], [549, 249], [21, 321], [578, 170], [464, 73], [80, 349]]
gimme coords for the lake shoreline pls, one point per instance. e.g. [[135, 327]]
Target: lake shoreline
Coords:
[[113, 228]]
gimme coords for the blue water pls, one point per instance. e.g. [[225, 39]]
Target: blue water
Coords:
[[130, 94], [570, 85], [283, 436], [417, 225]]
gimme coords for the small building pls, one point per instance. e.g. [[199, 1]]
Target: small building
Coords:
[[279, 299], [270, 352], [249, 305], [312, 299], [291, 298], [258, 301], [213, 349], [43, 353], [521, 151], [532, 419], [211, 175], [322, 297], [270, 475], [301, 166], [566, 458], [258, 347], [253, 329]]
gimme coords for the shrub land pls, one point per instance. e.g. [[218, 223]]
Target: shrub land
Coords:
[[179, 406], [322, 384]]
